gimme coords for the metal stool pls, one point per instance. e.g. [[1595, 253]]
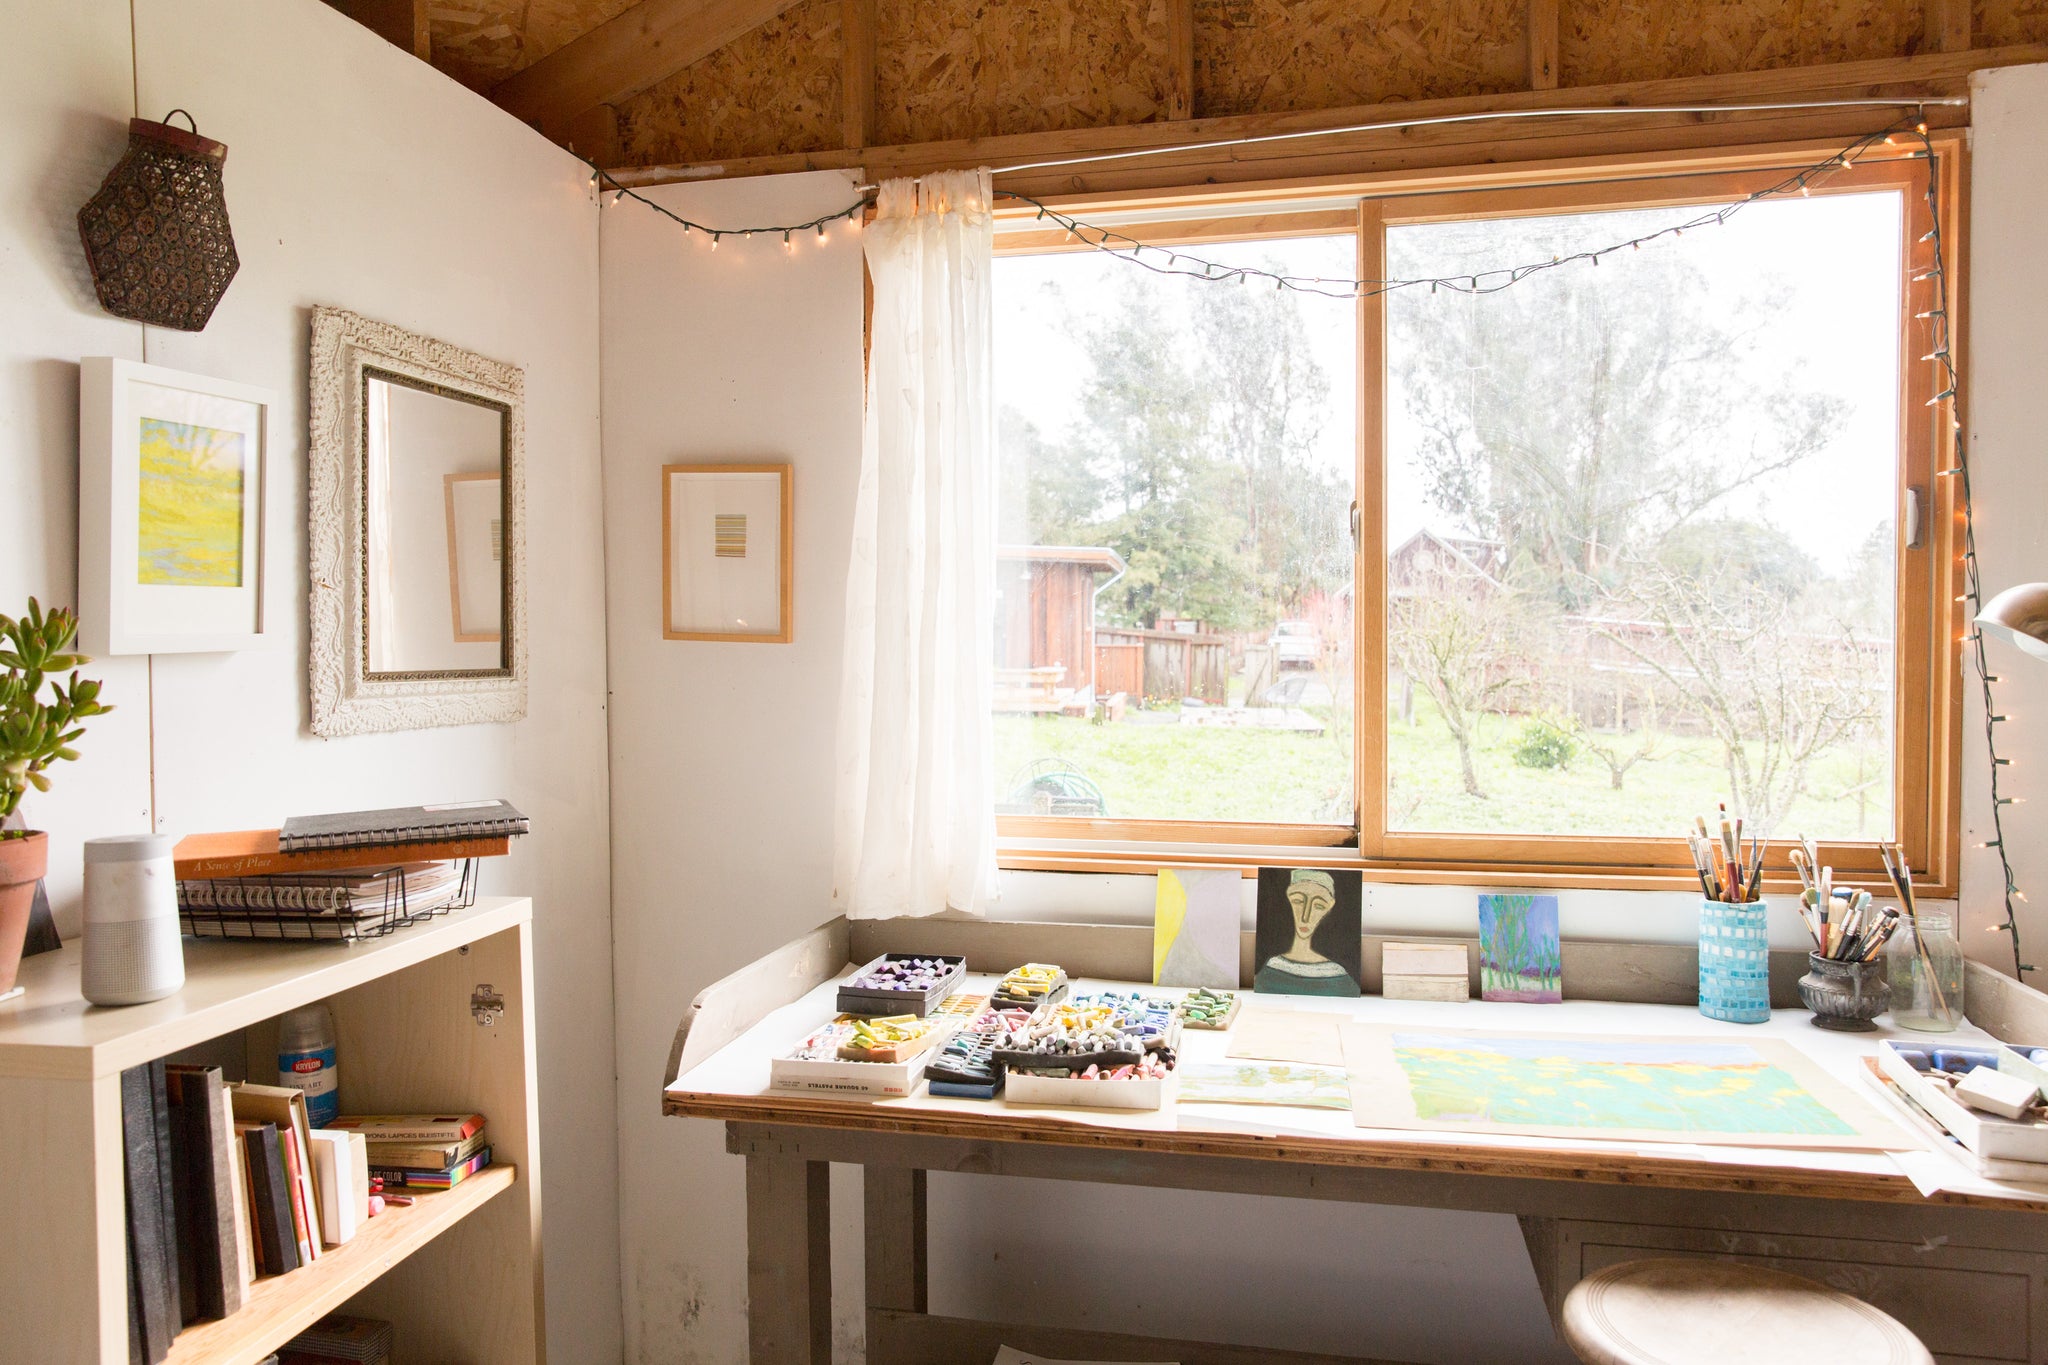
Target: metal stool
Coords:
[[1673, 1311]]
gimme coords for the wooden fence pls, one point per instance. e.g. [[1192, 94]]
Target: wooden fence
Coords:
[[1162, 665]]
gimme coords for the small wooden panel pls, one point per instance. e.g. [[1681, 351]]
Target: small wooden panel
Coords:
[[1180, 59], [63, 1295], [779, 87], [1619, 40], [280, 1306], [899, 1338], [1946, 25]]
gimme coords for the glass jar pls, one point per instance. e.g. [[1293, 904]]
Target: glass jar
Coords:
[[1927, 973], [1735, 962]]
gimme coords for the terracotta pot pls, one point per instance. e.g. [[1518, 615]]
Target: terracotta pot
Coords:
[[23, 860]]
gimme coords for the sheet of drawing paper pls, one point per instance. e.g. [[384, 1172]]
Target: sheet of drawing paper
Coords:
[[1759, 1092], [1270, 1035]]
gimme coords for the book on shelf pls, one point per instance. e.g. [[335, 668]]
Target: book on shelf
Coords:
[[344, 1189], [412, 1127], [406, 1178], [402, 825], [271, 1199], [424, 1156], [209, 1233], [255, 853], [152, 1263], [286, 1107]]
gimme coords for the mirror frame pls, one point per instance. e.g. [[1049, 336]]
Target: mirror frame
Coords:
[[348, 699]]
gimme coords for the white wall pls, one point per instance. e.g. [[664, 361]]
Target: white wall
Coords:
[[2007, 416], [721, 753], [359, 177]]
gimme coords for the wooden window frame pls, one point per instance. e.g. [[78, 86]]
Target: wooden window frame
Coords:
[[1927, 716]]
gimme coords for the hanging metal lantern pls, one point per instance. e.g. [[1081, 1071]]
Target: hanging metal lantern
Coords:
[[156, 235]]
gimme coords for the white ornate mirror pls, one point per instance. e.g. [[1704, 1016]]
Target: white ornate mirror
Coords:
[[418, 517]]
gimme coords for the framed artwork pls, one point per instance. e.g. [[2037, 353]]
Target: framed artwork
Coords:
[[726, 552], [476, 555], [1307, 939], [1194, 927], [173, 481]]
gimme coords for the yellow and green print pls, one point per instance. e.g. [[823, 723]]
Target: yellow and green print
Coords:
[[188, 514]]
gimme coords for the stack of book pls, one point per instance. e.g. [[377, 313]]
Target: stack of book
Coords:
[[225, 1181], [352, 875], [421, 1151]]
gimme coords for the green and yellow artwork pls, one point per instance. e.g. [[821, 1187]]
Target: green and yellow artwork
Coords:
[[1282, 1083], [1752, 1092], [188, 512]]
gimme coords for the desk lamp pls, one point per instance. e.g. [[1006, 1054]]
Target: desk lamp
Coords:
[[2019, 615]]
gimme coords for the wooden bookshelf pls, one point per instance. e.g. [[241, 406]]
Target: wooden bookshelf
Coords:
[[457, 1272], [279, 1307]]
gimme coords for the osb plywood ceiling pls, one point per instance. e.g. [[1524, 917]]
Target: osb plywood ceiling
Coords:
[[763, 78]]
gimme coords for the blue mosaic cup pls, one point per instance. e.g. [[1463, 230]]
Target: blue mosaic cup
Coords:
[[1735, 962]]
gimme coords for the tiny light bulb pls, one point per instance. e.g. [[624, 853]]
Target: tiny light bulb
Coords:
[[1921, 128], [821, 232], [714, 241]]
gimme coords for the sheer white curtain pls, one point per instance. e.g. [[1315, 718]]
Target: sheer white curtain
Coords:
[[916, 826]]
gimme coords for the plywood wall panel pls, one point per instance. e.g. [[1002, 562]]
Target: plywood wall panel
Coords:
[[481, 42], [972, 68], [1638, 40], [1263, 56], [2000, 23], [775, 89]]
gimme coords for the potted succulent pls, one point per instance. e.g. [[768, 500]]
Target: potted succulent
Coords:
[[34, 733]]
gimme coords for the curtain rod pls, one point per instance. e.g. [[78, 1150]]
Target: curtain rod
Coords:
[[1391, 125]]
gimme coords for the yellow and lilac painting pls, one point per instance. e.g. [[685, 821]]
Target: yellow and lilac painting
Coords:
[[1195, 927], [188, 513], [1761, 1092]]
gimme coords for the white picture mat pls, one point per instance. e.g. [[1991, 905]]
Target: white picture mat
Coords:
[[119, 613], [714, 595]]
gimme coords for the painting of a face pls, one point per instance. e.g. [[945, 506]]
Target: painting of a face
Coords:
[[1307, 941], [1310, 902]]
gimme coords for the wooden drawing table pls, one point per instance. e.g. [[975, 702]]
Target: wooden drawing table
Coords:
[[1965, 1266]]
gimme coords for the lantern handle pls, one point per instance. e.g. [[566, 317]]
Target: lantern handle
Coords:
[[188, 118]]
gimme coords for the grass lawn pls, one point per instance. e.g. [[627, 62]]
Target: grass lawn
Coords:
[[1175, 772]]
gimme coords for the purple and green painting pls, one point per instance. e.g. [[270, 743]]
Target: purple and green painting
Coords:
[[1519, 957]]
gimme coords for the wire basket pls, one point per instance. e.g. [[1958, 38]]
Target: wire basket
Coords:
[[321, 906]]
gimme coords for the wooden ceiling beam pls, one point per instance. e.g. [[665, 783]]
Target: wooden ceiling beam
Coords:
[[1543, 44], [1446, 144], [1947, 26], [857, 70], [1180, 59], [625, 55], [402, 23]]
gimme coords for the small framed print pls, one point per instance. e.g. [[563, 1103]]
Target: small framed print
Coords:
[[173, 481], [726, 552]]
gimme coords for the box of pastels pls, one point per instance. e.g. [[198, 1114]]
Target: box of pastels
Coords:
[[1143, 1084], [837, 1060], [902, 983], [1939, 1079], [1101, 1051]]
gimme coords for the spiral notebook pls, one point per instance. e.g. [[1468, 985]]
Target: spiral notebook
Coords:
[[401, 825]]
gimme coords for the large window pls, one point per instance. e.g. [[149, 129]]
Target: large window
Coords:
[[1630, 538]]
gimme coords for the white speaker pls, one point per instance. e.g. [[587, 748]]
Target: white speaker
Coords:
[[132, 951]]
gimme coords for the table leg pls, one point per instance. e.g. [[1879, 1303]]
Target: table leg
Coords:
[[896, 1254], [789, 1261]]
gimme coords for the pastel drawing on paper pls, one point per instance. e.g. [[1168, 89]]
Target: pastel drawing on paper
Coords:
[[1519, 954], [1194, 927], [1752, 1092], [188, 513], [1673, 1087]]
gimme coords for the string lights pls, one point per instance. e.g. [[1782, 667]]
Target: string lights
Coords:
[[602, 181], [1168, 261], [1941, 352]]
